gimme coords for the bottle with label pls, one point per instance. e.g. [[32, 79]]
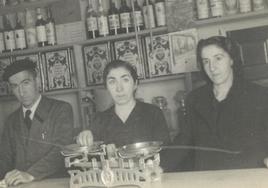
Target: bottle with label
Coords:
[[137, 17], [125, 18], [91, 22], [9, 35], [102, 21], [231, 6], [148, 14], [41, 29], [114, 21], [30, 30], [160, 12], [245, 6], [217, 8], [202, 9], [20, 38], [50, 28], [2, 39]]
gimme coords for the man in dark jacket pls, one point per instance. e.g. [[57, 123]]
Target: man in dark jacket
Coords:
[[34, 133]]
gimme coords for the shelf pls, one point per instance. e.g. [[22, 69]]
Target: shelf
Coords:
[[91, 41], [61, 91], [158, 30], [34, 50], [22, 6], [143, 81], [56, 92], [162, 78], [231, 18]]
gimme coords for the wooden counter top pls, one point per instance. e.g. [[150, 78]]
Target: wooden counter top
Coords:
[[245, 178]]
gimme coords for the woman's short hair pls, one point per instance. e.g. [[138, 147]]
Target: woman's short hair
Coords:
[[228, 45], [117, 64]]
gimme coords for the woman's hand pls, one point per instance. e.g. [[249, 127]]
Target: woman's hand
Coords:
[[85, 138]]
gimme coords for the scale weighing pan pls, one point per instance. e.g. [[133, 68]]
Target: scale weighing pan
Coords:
[[140, 149], [76, 149]]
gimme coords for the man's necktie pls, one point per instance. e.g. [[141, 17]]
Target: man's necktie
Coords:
[[27, 119]]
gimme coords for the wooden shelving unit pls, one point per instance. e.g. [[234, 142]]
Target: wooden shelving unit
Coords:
[[154, 31]]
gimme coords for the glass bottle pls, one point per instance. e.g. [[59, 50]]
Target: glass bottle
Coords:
[[216, 7], [125, 18], [50, 28], [20, 38], [160, 13], [30, 30], [245, 6], [2, 38], [9, 35], [41, 29], [148, 14], [161, 102], [231, 6], [114, 21], [91, 22], [137, 17], [102, 21], [202, 9]]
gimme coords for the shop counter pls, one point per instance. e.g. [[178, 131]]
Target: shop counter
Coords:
[[242, 178]]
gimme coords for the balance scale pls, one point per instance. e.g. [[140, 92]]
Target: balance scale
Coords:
[[102, 165]]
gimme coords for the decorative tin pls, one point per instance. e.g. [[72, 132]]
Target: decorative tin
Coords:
[[128, 51], [95, 59]]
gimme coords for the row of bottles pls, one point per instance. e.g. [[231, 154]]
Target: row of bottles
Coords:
[[216, 8], [34, 32], [120, 18]]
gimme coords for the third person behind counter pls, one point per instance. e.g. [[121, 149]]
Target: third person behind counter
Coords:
[[227, 122], [128, 120]]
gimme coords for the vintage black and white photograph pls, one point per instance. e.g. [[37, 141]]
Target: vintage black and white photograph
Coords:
[[183, 50]]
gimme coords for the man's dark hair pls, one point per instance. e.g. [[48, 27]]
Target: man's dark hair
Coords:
[[18, 66]]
